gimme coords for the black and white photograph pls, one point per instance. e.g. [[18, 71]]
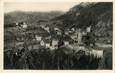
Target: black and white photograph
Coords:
[[58, 36]]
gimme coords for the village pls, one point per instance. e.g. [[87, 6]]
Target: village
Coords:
[[34, 38], [41, 36], [59, 43]]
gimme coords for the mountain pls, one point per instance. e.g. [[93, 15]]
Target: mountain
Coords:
[[97, 15], [29, 17]]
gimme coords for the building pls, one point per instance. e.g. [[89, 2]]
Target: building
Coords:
[[66, 42], [88, 29], [42, 43], [38, 38], [54, 42]]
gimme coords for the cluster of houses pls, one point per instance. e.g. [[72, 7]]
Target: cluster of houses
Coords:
[[48, 36], [38, 37]]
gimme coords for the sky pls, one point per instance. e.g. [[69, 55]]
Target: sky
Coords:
[[40, 7]]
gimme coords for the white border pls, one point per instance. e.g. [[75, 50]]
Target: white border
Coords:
[[50, 71]]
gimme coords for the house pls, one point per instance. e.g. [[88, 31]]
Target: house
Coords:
[[47, 41], [33, 46], [47, 45], [42, 26], [53, 47], [42, 43], [78, 35], [49, 37], [75, 35], [20, 38], [54, 42], [24, 26], [88, 29], [78, 13], [19, 43], [66, 33], [47, 29], [38, 38], [66, 42], [56, 29], [51, 43], [58, 33], [16, 23], [73, 29]]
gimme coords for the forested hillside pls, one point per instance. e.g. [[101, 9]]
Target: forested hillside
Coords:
[[29, 17], [97, 15]]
